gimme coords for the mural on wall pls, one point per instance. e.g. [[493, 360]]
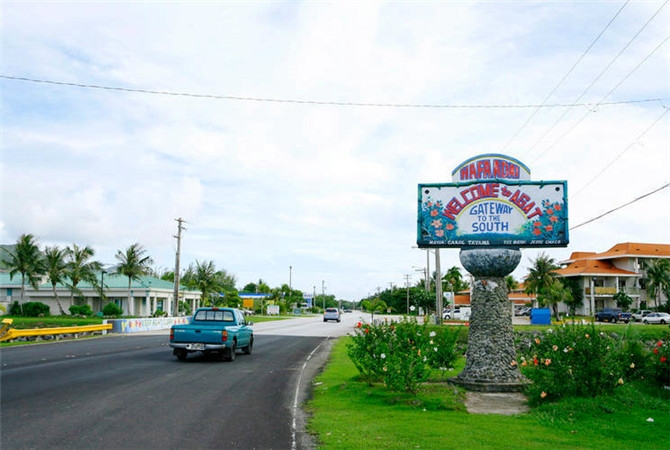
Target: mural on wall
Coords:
[[492, 202]]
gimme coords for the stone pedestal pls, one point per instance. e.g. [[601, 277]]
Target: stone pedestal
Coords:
[[491, 356]]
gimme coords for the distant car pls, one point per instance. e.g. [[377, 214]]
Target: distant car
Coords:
[[331, 314], [638, 316], [457, 314], [613, 315], [656, 317], [522, 312]]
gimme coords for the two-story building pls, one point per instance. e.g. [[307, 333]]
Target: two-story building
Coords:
[[619, 269]]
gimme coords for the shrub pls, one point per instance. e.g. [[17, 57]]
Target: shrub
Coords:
[[574, 361], [35, 309], [15, 309], [81, 310], [401, 354], [660, 362], [111, 309]]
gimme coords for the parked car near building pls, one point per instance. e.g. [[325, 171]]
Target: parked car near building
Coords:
[[613, 315], [638, 316], [656, 317]]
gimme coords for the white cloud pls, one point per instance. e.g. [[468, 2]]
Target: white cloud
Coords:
[[329, 190]]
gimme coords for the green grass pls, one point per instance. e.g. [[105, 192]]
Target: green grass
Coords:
[[349, 414]]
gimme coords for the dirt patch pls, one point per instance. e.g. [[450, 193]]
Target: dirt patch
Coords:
[[505, 403]]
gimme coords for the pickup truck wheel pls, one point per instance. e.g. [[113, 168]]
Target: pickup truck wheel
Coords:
[[180, 353], [231, 353], [248, 348]]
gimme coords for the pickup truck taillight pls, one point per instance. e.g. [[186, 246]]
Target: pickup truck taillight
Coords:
[[171, 334], [224, 336]]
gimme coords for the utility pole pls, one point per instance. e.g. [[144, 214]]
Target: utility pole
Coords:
[[438, 288], [323, 293], [407, 277], [175, 309]]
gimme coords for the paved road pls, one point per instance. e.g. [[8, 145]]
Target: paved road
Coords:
[[129, 392]]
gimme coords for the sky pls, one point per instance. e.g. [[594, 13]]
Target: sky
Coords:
[[301, 130]]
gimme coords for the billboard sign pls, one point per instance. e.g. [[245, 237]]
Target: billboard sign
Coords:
[[492, 202]]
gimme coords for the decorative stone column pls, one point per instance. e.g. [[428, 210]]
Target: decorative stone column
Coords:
[[491, 355]]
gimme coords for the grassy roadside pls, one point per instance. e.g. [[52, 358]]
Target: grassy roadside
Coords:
[[348, 414]]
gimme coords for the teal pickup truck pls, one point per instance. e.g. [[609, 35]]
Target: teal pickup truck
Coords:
[[213, 330]]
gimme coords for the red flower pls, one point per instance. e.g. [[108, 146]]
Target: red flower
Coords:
[[537, 231], [663, 359], [358, 325], [450, 226], [553, 219], [557, 206], [550, 211], [659, 344], [367, 330], [656, 351], [535, 360], [549, 227], [537, 223]]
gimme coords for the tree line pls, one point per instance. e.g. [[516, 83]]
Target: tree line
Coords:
[[75, 264]]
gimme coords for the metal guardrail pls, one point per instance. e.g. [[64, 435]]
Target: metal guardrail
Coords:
[[7, 333]]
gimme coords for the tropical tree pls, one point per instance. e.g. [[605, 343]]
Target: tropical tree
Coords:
[[452, 281], [556, 293], [372, 306], [511, 283], [133, 263], [27, 260], [540, 276], [577, 298], [657, 279], [204, 280], [56, 269], [622, 300], [81, 267]]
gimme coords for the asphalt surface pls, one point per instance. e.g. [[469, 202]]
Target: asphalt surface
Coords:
[[129, 392]]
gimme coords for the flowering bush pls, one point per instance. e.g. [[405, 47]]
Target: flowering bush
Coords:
[[401, 354], [660, 356], [574, 360]]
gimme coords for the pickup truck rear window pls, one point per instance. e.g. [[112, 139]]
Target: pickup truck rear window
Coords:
[[215, 316]]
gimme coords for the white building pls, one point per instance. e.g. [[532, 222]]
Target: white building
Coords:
[[147, 295], [619, 269]]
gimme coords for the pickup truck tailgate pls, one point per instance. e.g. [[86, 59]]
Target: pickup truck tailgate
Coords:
[[197, 334]]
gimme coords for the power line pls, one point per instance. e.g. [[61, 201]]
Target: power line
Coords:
[[624, 151], [622, 206], [602, 99], [616, 57], [318, 102], [525, 124]]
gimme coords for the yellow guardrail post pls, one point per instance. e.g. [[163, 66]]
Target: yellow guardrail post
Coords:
[[13, 333]]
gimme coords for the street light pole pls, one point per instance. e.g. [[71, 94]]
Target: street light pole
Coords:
[[323, 293], [438, 288], [102, 288], [407, 277]]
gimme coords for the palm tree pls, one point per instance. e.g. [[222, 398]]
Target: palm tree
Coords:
[[26, 260], [375, 304], [56, 270], [80, 267], [557, 293], [658, 278], [204, 276], [511, 283], [133, 264], [541, 275]]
